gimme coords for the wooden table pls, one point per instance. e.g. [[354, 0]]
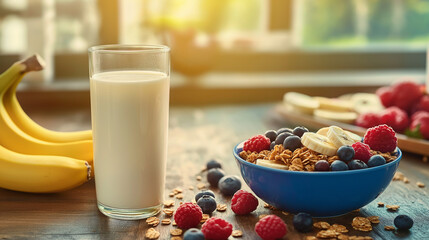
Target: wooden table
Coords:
[[197, 134]]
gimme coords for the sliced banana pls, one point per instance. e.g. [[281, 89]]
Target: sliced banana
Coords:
[[271, 164], [318, 143], [339, 137], [345, 117], [334, 104], [323, 131], [366, 102], [301, 102], [354, 136]]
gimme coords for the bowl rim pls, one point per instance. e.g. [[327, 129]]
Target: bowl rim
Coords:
[[346, 172]]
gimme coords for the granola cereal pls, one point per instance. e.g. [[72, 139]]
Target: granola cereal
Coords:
[[374, 219], [237, 233], [153, 221], [176, 232], [205, 218], [380, 204], [166, 221], [310, 238], [392, 208], [420, 184], [201, 186], [360, 238], [389, 228], [338, 228], [361, 224], [262, 216], [221, 207], [321, 225], [151, 233], [179, 196], [175, 238], [327, 234], [168, 203], [168, 212]]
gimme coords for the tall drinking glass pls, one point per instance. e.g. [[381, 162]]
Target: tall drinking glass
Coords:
[[129, 87]]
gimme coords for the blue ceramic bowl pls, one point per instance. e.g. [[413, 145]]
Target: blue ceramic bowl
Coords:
[[321, 194]]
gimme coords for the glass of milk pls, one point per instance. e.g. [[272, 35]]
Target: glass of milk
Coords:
[[129, 87]]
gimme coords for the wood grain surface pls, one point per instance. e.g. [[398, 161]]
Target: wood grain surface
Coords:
[[196, 136]]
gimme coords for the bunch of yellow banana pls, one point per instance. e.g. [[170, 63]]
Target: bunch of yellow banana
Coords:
[[33, 158]]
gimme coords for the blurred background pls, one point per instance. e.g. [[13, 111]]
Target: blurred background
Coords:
[[227, 50]]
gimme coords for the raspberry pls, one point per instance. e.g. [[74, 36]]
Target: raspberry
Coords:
[[424, 103], [361, 151], [368, 120], [381, 138], [216, 229], [386, 96], [394, 117], [405, 94], [418, 114], [257, 143], [188, 215], [271, 227], [243, 202]]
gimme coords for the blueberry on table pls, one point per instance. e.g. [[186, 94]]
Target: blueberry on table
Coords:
[[339, 165], [357, 164], [207, 204], [321, 165], [299, 131], [228, 185], [292, 142], [281, 137], [283, 130], [213, 164], [346, 153], [271, 134], [403, 222], [376, 160], [303, 222], [213, 176], [204, 192], [193, 234]]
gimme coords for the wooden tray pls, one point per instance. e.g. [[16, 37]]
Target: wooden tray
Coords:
[[405, 143]]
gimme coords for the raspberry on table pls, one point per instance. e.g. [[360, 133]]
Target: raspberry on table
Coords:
[[395, 118], [362, 151], [243, 202], [386, 95], [216, 229], [405, 94], [257, 143], [188, 215], [367, 120], [270, 227], [381, 138]]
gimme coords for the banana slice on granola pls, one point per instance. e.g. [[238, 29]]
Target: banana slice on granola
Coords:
[[318, 143], [354, 136], [339, 137], [271, 164]]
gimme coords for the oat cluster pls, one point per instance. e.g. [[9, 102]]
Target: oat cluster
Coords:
[[302, 159]]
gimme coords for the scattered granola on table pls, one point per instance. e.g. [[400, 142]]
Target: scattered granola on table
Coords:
[[362, 224]]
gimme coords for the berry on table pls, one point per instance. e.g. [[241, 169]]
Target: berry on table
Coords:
[[283, 130], [188, 215], [362, 151], [213, 176], [395, 118], [281, 137], [204, 192], [367, 120], [357, 164], [403, 222], [346, 153], [216, 229], [299, 131], [406, 93], [271, 134], [303, 222], [207, 204], [193, 234], [386, 96], [213, 164], [271, 227], [292, 143], [381, 138], [339, 165], [321, 165], [228, 185], [376, 160], [257, 143], [243, 202]]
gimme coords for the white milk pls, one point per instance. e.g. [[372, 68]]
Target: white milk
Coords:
[[130, 122]]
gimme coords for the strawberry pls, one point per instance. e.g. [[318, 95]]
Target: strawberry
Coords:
[[419, 114], [424, 103], [395, 118], [406, 94], [386, 95], [421, 126]]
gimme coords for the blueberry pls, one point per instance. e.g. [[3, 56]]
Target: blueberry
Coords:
[[403, 222], [204, 192], [357, 164], [213, 164], [292, 142], [346, 153], [207, 204], [299, 131], [271, 134], [283, 130], [272, 145], [322, 165], [281, 137], [213, 176], [228, 185], [376, 160], [339, 165], [193, 234], [303, 222]]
